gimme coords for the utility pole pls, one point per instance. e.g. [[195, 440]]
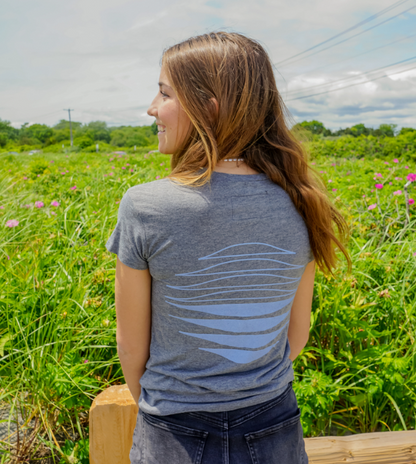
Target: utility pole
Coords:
[[70, 123]]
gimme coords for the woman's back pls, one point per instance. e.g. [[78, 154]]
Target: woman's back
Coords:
[[226, 260], [220, 264]]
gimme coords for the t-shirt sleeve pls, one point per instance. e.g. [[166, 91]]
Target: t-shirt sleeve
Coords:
[[128, 240]]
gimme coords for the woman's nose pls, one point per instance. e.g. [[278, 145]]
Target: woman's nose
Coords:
[[152, 111]]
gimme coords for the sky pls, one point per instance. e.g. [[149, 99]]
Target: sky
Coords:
[[101, 58]]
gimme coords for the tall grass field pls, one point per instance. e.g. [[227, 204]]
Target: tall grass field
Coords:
[[57, 312]]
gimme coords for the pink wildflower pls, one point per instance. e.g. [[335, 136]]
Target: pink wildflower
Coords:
[[55, 203], [334, 190], [53, 212], [330, 180], [157, 177], [73, 188], [390, 183], [39, 204], [398, 178], [379, 186], [411, 201], [111, 174], [378, 174], [372, 206], [411, 177], [24, 178], [63, 173], [123, 167], [397, 192], [386, 162], [395, 160], [313, 163], [131, 170], [406, 167], [1, 207], [12, 223]]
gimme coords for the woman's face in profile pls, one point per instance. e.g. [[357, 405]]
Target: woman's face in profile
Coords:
[[173, 123]]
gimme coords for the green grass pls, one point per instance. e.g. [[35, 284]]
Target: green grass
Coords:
[[57, 314]]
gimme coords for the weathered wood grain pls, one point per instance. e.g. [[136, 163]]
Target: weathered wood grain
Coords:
[[112, 420], [364, 448]]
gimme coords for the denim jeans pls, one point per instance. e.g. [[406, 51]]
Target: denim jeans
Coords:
[[267, 433]]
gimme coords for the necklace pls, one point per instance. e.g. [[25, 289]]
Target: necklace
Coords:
[[235, 159]]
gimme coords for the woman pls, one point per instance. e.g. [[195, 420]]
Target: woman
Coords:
[[216, 264]]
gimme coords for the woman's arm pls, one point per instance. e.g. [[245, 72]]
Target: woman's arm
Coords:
[[133, 290], [300, 315]]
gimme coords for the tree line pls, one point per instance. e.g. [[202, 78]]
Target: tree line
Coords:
[[384, 130], [86, 136]]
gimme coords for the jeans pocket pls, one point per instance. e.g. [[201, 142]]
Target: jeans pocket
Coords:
[[282, 443], [165, 442]]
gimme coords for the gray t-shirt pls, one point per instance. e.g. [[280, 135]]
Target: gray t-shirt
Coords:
[[226, 260]]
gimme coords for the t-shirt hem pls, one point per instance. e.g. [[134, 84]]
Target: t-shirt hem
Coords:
[[178, 408]]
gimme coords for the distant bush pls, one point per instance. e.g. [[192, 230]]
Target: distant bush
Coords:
[[401, 146]]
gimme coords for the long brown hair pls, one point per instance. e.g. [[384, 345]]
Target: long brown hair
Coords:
[[250, 123]]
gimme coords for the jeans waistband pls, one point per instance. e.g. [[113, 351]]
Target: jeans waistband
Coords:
[[229, 419]]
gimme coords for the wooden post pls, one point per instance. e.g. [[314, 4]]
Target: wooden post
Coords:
[[113, 417]]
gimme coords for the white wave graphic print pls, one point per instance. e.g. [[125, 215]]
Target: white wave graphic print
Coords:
[[238, 264]]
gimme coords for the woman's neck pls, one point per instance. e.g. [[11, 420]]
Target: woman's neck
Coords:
[[234, 167]]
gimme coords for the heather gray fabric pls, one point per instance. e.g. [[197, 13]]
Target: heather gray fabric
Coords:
[[226, 260]]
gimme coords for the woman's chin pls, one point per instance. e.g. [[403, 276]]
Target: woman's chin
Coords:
[[163, 149]]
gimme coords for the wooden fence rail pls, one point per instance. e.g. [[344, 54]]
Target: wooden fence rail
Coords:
[[113, 418]]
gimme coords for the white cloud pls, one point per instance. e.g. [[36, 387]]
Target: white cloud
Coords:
[[404, 76], [101, 57]]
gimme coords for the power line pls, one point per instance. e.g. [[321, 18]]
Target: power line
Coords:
[[43, 115], [356, 35], [351, 85], [360, 54], [352, 77], [370, 18]]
